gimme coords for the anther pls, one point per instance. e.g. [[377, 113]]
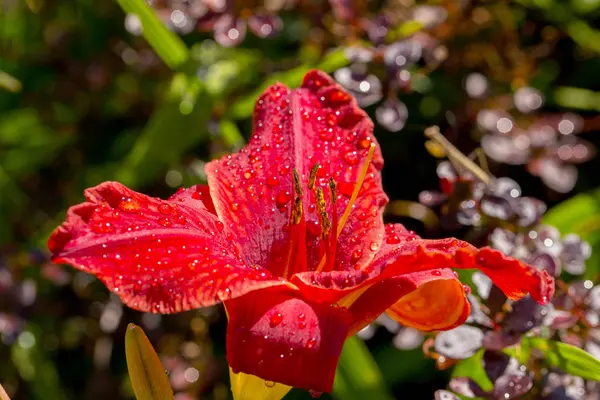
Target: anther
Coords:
[[297, 185], [332, 190], [325, 225], [320, 201], [313, 176]]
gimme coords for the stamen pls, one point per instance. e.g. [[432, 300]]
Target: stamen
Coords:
[[297, 211], [325, 223], [332, 190], [330, 264], [320, 201], [354, 196], [297, 232], [313, 176], [297, 185], [347, 211]]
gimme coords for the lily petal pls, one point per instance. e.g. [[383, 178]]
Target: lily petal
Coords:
[[282, 338], [158, 256], [427, 300], [253, 190], [405, 252]]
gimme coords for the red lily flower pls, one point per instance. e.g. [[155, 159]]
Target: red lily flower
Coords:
[[289, 235]]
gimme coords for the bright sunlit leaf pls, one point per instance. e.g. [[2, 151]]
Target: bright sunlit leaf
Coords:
[[570, 359]]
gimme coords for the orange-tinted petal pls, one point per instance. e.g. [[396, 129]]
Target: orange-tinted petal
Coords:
[[427, 300]]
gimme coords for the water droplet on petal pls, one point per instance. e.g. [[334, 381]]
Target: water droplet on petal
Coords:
[[311, 343], [269, 384], [165, 208], [346, 188], [374, 246], [275, 319], [102, 227], [129, 205], [436, 272], [356, 255], [283, 198], [272, 181], [351, 157], [467, 289], [164, 221]]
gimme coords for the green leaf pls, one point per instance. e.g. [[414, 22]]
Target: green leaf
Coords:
[[578, 98], [243, 108], [570, 359], [35, 365], [169, 47], [178, 124], [472, 368], [148, 377], [231, 134], [573, 215], [580, 215], [358, 376]]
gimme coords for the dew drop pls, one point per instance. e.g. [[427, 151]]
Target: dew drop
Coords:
[[164, 221], [275, 319], [129, 205], [364, 143], [301, 317], [282, 198], [351, 157], [326, 134], [437, 272], [269, 384], [220, 226], [374, 246], [331, 119], [166, 209], [356, 255], [197, 195], [314, 394], [272, 181], [284, 170], [346, 188], [102, 227], [248, 174], [467, 289], [394, 239], [311, 343]]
